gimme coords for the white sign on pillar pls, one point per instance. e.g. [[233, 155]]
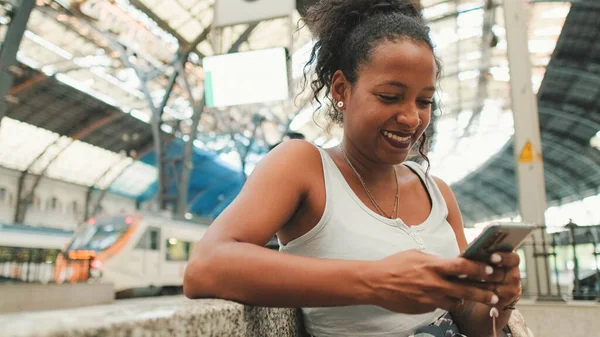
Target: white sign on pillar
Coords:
[[233, 12]]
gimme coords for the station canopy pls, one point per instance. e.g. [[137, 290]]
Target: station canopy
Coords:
[[91, 68]]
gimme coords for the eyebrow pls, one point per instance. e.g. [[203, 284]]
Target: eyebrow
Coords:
[[404, 86]]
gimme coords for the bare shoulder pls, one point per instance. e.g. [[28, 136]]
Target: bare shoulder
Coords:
[[295, 150], [444, 188], [448, 195], [454, 215], [296, 155]]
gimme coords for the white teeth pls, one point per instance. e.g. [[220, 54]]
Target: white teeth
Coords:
[[396, 138]]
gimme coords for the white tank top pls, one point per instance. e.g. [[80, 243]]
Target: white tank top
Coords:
[[349, 230]]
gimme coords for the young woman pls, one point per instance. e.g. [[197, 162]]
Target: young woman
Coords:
[[369, 241]]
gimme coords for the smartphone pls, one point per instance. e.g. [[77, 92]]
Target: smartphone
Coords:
[[497, 237]]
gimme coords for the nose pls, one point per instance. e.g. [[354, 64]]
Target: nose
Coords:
[[408, 115]]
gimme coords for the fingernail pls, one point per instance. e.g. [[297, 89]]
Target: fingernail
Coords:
[[463, 276], [496, 258], [489, 270], [495, 299]]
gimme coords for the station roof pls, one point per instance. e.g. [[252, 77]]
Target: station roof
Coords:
[[81, 101], [92, 143], [569, 115]]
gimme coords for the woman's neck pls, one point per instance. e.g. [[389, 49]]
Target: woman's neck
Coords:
[[371, 171]]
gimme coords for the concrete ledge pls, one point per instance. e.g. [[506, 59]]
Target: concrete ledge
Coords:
[[157, 317], [37, 297], [178, 316], [573, 319]]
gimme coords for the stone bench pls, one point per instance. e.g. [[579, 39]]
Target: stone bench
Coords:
[[180, 317], [156, 317]]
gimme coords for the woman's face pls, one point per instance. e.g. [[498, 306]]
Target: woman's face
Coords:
[[389, 107]]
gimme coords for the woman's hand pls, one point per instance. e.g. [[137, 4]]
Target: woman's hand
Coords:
[[414, 282], [506, 278]]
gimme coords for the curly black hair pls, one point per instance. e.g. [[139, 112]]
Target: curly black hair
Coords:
[[347, 31]]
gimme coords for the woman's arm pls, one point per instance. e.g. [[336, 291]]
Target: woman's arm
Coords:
[[473, 319], [231, 262]]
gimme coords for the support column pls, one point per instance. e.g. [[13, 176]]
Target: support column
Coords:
[[156, 120], [10, 46], [188, 152], [527, 141]]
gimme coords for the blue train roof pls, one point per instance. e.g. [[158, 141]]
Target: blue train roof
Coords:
[[213, 184]]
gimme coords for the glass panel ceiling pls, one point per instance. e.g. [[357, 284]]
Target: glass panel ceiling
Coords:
[[21, 143], [470, 40], [22, 146]]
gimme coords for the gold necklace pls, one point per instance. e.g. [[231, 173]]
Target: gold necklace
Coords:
[[371, 198]]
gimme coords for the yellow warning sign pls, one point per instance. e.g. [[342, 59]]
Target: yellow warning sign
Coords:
[[526, 155]]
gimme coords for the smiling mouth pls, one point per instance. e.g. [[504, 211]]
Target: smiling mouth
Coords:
[[399, 137]]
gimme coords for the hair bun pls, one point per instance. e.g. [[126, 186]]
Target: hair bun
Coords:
[[350, 13]]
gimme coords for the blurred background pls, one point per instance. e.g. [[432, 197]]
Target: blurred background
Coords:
[[127, 126]]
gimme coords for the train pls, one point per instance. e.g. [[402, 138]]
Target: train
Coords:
[[29, 237], [136, 253], [27, 253]]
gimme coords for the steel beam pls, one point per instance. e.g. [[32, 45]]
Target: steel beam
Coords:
[[184, 45], [88, 202], [23, 175], [23, 202], [188, 152], [186, 50], [20, 218], [27, 84], [156, 119], [86, 131], [579, 120], [156, 111], [98, 202], [90, 190], [573, 176], [457, 13], [242, 38], [549, 172], [489, 18], [160, 22], [566, 71], [158, 143], [9, 48], [558, 145]]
